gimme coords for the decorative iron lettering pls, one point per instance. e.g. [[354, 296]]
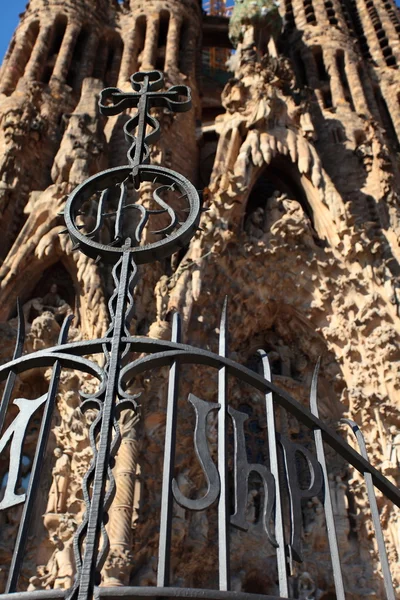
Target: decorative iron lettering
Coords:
[[296, 492], [16, 432], [202, 409], [242, 471]]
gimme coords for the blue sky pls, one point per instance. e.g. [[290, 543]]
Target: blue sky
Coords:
[[9, 20]]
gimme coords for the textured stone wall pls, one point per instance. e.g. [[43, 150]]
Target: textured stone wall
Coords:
[[302, 234]]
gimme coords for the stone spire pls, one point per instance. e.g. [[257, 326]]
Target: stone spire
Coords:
[[62, 44], [165, 36], [344, 68]]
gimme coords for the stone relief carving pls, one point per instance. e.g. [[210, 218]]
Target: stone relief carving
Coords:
[[59, 571], [51, 302]]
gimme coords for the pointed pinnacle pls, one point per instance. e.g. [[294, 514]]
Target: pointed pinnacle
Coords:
[[97, 260]]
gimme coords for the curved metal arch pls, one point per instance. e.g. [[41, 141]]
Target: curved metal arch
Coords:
[[47, 359], [162, 353], [190, 355], [140, 593]]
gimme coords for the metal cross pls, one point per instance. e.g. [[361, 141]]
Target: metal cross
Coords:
[[146, 85]]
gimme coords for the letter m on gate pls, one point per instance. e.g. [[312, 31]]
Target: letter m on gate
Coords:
[[16, 433]]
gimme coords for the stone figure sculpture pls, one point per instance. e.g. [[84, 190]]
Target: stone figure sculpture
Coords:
[[59, 572], [393, 449], [58, 491], [306, 587]]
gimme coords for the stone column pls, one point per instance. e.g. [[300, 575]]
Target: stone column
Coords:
[[173, 43], [12, 69], [389, 27], [87, 65], [320, 14], [392, 103], [150, 46], [333, 72], [356, 88], [65, 53], [119, 527], [299, 14], [129, 58], [370, 33], [339, 15], [18, 56], [39, 54]]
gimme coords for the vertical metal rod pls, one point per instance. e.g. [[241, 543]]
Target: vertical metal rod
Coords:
[[89, 572], [223, 503], [274, 466], [141, 134], [330, 520], [19, 346], [164, 546], [120, 211], [34, 479], [387, 577]]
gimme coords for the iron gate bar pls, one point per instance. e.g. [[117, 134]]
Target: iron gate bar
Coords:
[[223, 512], [164, 545], [387, 577], [19, 347], [34, 479], [330, 520], [274, 467]]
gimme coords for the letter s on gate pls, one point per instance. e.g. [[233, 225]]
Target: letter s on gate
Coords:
[[17, 431], [202, 410]]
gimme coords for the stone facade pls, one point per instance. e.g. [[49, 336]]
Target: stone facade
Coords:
[[299, 158]]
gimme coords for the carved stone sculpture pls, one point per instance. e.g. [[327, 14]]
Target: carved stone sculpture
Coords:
[[59, 571], [59, 488]]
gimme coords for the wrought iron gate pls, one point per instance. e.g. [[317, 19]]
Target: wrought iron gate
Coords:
[[111, 195]]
